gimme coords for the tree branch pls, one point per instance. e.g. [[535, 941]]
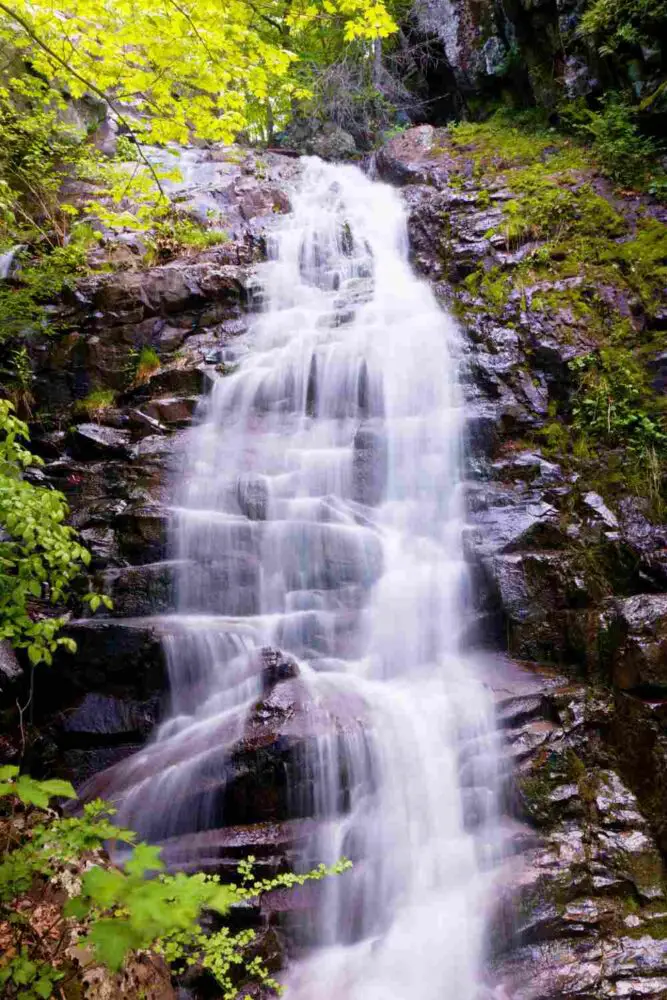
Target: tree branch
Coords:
[[87, 83]]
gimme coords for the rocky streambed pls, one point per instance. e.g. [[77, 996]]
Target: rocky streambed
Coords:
[[568, 561]]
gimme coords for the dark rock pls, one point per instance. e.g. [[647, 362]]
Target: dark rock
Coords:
[[634, 641], [175, 411], [333, 143], [124, 660], [90, 441], [103, 716], [139, 591]]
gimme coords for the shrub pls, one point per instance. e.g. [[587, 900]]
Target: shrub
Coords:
[[40, 556], [621, 150], [109, 911]]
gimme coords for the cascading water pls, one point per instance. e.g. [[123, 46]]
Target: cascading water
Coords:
[[321, 513]]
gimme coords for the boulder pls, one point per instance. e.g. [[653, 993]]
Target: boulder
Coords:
[[93, 441]]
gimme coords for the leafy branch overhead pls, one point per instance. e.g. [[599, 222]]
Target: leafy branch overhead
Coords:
[[172, 69]]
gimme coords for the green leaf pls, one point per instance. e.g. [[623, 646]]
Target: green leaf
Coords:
[[8, 771], [56, 786], [112, 940], [105, 887], [144, 858], [76, 907], [44, 986], [222, 899], [31, 792], [35, 654]]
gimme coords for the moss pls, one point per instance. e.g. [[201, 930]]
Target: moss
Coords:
[[493, 287]]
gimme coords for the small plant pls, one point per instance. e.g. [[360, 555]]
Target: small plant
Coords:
[[143, 364], [610, 401], [176, 233], [95, 404], [621, 23], [40, 556], [19, 378], [623, 153]]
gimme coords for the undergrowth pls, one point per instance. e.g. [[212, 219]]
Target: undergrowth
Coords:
[[109, 914]]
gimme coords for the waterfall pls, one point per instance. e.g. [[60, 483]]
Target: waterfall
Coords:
[[321, 513]]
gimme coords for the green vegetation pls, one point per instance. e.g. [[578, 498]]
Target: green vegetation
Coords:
[[617, 23], [143, 364], [109, 914], [609, 132], [167, 74], [590, 270], [173, 234], [610, 400], [40, 557], [95, 404], [623, 153]]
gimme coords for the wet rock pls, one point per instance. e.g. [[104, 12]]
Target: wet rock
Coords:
[[634, 640], [175, 411], [124, 660], [173, 288], [174, 381], [594, 502], [91, 441], [139, 591], [333, 143], [369, 465], [142, 532]]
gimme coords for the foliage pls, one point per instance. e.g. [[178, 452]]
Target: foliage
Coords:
[[117, 911], [175, 233], [17, 380], [40, 556], [164, 73], [617, 23], [610, 400], [142, 364], [623, 153], [96, 403], [182, 68], [43, 275]]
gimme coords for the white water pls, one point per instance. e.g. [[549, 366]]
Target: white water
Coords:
[[321, 513]]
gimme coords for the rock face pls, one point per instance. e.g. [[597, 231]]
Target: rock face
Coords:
[[587, 918], [565, 572], [535, 51]]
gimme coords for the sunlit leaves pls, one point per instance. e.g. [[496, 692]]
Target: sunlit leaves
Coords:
[[179, 68]]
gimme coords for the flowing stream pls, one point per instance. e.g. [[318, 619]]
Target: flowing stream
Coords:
[[321, 513]]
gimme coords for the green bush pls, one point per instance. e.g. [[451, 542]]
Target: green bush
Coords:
[[40, 556], [623, 153], [611, 401], [617, 23], [110, 912]]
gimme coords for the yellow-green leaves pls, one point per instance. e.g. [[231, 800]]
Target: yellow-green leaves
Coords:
[[171, 69]]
